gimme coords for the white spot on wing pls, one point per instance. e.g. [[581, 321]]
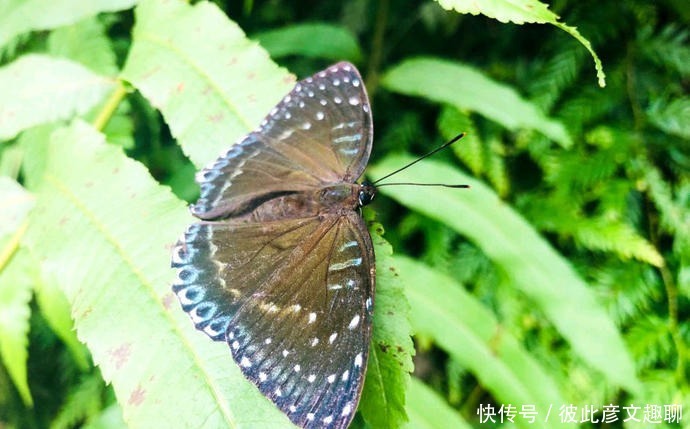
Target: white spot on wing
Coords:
[[348, 139], [351, 151], [347, 409], [328, 419], [358, 359], [354, 322], [354, 262], [347, 244], [245, 362], [346, 375], [297, 367], [331, 378], [332, 338], [312, 317], [262, 376], [311, 378], [285, 134], [320, 115]]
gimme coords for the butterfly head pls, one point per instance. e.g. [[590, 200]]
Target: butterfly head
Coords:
[[367, 192]]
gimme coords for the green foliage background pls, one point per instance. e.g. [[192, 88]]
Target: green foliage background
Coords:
[[561, 277]]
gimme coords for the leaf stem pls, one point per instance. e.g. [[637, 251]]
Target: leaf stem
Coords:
[[12, 245], [672, 305], [377, 47], [110, 106]]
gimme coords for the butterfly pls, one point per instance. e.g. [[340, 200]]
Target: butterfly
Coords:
[[281, 264]]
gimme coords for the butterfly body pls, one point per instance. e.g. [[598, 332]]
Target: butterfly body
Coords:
[[281, 265]]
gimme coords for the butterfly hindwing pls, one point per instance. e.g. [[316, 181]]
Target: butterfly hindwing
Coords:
[[321, 132], [300, 332]]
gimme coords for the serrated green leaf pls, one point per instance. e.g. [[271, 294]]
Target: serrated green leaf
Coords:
[[390, 355], [104, 229], [21, 16], [15, 284], [86, 43], [529, 263], [520, 12], [34, 144], [467, 88], [15, 295], [38, 88], [466, 330], [16, 204], [212, 84], [316, 40], [10, 161], [55, 309], [110, 418], [427, 410]]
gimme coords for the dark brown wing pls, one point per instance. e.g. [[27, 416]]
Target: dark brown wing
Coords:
[[319, 133], [293, 299]]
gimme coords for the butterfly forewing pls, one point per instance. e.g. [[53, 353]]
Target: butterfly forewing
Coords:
[[282, 265], [321, 132]]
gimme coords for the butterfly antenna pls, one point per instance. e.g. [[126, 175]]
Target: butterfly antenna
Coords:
[[440, 148]]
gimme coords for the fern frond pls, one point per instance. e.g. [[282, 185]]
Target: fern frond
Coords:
[[616, 237], [578, 171], [668, 48], [587, 105], [470, 150], [496, 167], [672, 117], [649, 341], [675, 219], [628, 290], [558, 73]]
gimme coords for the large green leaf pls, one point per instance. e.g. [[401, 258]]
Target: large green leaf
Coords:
[[390, 356], [311, 40], [467, 88], [20, 16], [427, 410], [528, 262], [15, 284], [520, 12], [37, 89], [104, 229], [461, 326], [212, 84]]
